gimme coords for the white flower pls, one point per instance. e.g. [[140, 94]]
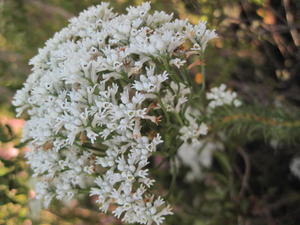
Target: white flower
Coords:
[[177, 62], [202, 36], [218, 96], [197, 156], [169, 100], [295, 167], [193, 131], [92, 90], [203, 129], [150, 82]]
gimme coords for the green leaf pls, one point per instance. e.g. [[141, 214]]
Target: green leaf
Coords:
[[223, 161], [4, 170]]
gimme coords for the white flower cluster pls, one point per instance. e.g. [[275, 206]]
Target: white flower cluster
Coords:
[[198, 155], [173, 102], [193, 131], [194, 151], [197, 152], [66, 169], [92, 89], [295, 166], [219, 96]]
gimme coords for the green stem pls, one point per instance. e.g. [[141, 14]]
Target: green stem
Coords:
[[203, 71], [179, 119], [164, 109], [174, 176], [168, 69]]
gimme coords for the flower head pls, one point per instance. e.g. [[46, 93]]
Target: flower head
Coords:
[[89, 97]]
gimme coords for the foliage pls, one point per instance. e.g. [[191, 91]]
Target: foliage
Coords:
[[259, 123]]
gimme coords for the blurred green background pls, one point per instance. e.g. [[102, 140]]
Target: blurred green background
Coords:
[[257, 54]]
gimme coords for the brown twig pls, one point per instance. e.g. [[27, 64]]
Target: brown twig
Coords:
[[246, 175], [50, 8], [290, 21], [283, 201], [271, 122]]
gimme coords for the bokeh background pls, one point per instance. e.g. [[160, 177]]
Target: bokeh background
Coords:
[[257, 54]]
